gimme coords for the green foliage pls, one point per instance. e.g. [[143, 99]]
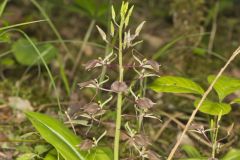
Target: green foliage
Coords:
[[26, 54], [57, 134], [65, 142], [7, 62], [237, 100], [40, 149], [2, 6], [233, 154], [100, 154], [191, 151], [96, 9], [213, 108], [193, 154], [27, 156], [173, 84], [225, 85], [52, 155]]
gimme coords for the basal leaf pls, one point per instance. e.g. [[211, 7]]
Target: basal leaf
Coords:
[[213, 108], [25, 53], [173, 84], [225, 85], [55, 133], [64, 141]]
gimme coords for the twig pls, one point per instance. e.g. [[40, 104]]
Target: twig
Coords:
[[180, 124], [214, 29], [70, 121], [174, 149]]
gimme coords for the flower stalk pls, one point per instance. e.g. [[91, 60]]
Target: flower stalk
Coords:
[[119, 97]]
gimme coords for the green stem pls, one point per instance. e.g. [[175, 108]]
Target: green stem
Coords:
[[119, 97], [215, 135]]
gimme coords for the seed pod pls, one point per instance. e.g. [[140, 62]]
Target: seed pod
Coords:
[[144, 103], [86, 145], [88, 84], [119, 86], [150, 64], [91, 108], [92, 64]]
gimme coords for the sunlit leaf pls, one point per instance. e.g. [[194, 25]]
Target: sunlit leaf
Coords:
[[57, 135], [64, 141], [173, 84], [225, 85], [213, 108]]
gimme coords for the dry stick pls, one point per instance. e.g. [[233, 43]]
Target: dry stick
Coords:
[[214, 29], [174, 149], [192, 134], [165, 125]]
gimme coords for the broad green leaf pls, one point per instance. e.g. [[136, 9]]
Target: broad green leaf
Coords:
[[233, 154], [191, 151], [173, 84], [213, 108], [55, 133], [225, 85], [25, 53], [64, 141]]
